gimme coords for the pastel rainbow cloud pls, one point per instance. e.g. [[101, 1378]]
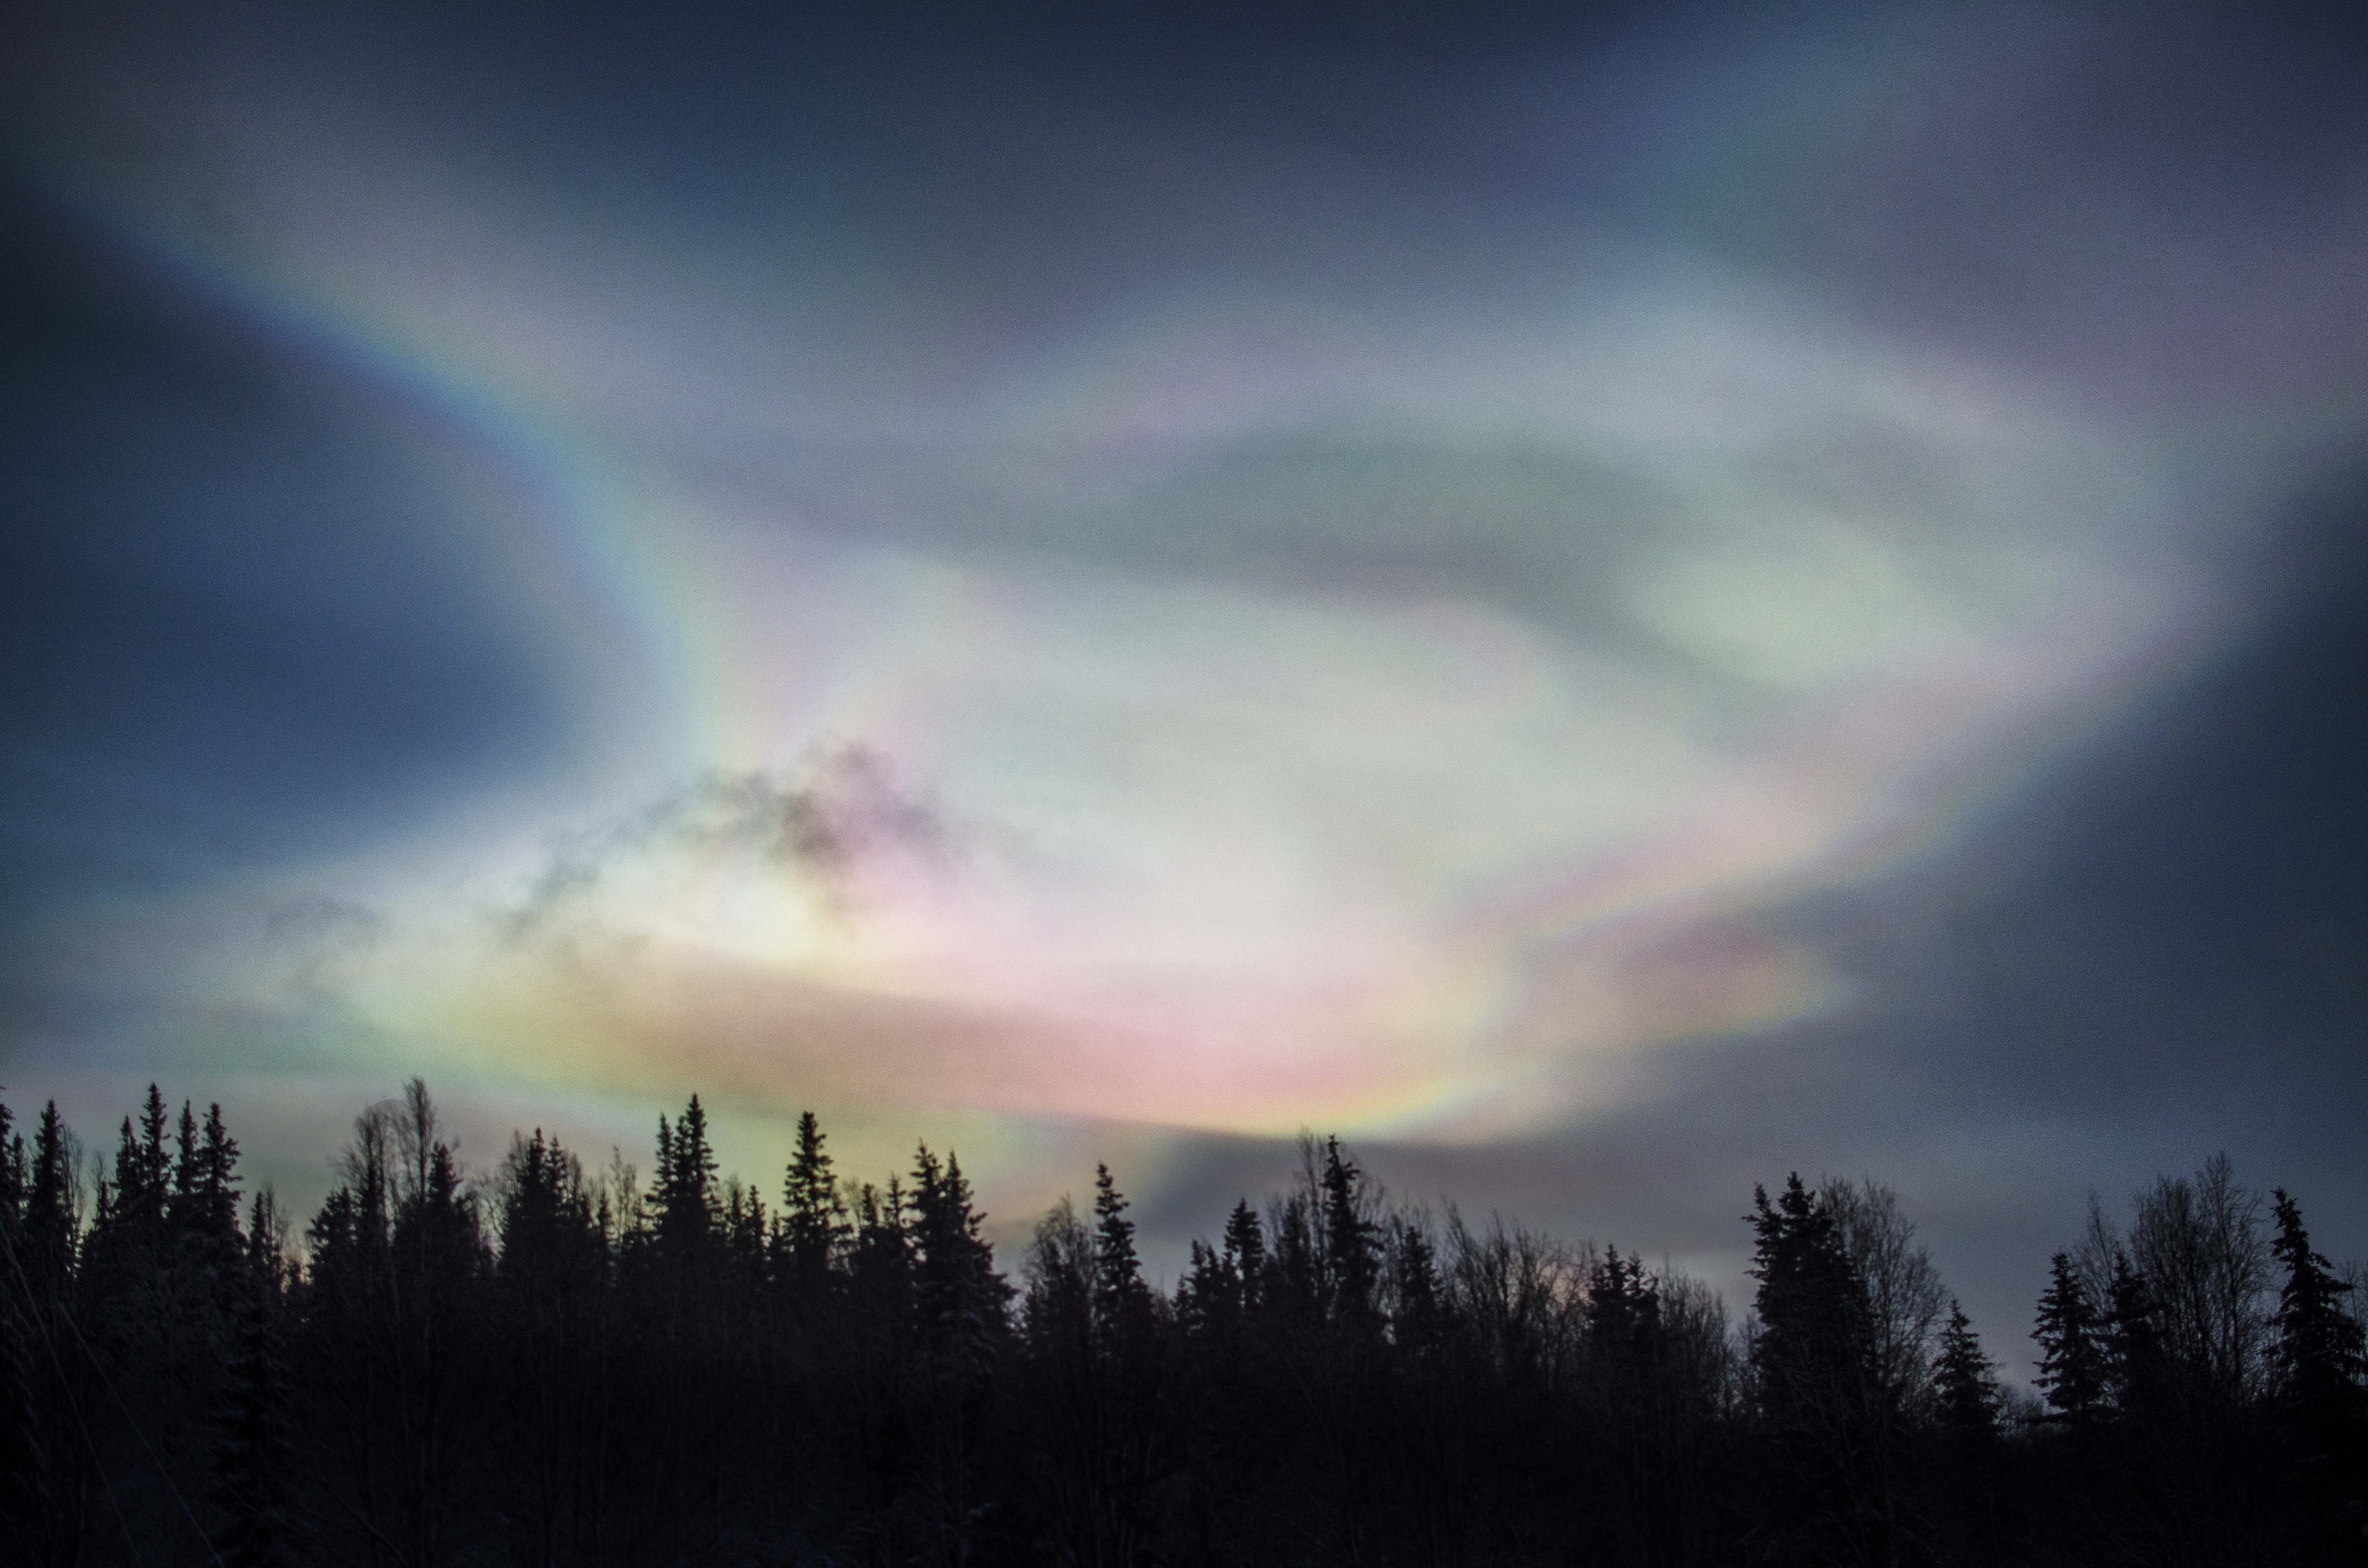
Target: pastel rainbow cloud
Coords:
[[1432, 819]]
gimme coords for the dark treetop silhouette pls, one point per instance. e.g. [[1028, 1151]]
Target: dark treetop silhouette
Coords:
[[536, 1365]]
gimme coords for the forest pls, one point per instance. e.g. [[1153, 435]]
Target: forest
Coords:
[[545, 1364]]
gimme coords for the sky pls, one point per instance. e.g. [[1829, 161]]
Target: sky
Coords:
[[1606, 603]]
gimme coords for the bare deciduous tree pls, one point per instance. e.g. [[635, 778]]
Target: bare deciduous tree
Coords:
[[1904, 1300]]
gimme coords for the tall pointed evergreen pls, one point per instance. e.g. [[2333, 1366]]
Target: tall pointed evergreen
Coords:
[[1352, 1250], [253, 1450], [961, 1309], [1245, 1248], [1219, 1292], [215, 1216], [552, 1247], [815, 1231], [1964, 1380], [48, 1231], [143, 1176], [689, 1208], [126, 1256], [1623, 1317], [2322, 1369], [181, 1205], [2320, 1357], [22, 1460], [1808, 1359], [1122, 1301], [1208, 1298], [154, 1174], [960, 1301], [2072, 1355], [13, 1169]]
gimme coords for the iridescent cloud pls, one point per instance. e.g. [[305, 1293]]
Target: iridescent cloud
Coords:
[[1350, 655]]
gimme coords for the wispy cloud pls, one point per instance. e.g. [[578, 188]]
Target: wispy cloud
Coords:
[[820, 830]]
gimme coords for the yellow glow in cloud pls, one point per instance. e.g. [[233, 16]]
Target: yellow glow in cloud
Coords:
[[1794, 606]]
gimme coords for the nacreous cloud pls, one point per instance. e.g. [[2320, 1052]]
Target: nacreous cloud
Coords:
[[1334, 653]]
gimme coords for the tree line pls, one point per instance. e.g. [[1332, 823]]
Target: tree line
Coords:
[[545, 1364]]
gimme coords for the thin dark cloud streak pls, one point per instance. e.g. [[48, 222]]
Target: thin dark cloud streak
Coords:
[[846, 808]]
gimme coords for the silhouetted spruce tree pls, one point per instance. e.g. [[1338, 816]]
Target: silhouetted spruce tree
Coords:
[[960, 1319], [684, 1196], [1208, 1298], [552, 1279], [13, 1168], [681, 1348], [1966, 1379], [815, 1231], [387, 1346], [181, 1203], [1806, 1360], [1622, 1399], [1122, 1301], [49, 1254], [412, 1396], [1623, 1321], [152, 1174], [214, 1211], [1083, 1432], [173, 1289], [127, 1254], [686, 1296], [1222, 1284], [2073, 1373], [552, 1250], [344, 1350], [209, 1294], [879, 1326], [961, 1303], [662, 1170], [2322, 1366], [1220, 1405], [1352, 1252], [441, 1263], [144, 1174], [1419, 1319], [133, 1303], [1813, 1391], [747, 1243], [1244, 1247], [2320, 1359], [22, 1462], [1971, 1489], [267, 1257], [48, 1230], [254, 1452]]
